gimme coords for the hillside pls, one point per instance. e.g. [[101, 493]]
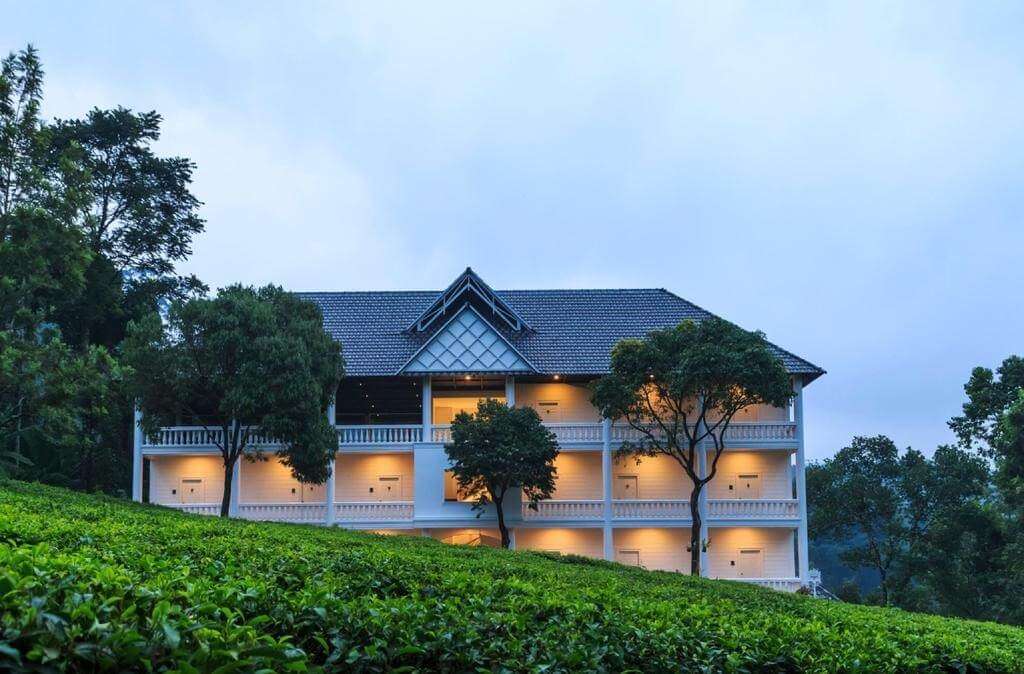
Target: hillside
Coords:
[[93, 583]]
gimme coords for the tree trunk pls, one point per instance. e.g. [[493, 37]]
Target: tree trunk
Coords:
[[229, 473], [506, 540], [695, 540]]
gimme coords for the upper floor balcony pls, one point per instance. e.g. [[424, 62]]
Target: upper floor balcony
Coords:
[[571, 436]]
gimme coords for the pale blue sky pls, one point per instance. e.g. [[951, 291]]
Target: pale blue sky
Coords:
[[845, 177]]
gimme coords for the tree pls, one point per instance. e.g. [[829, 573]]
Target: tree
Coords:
[[245, 361], [500, 449], [680, 388], [896, 503], [138, 217]]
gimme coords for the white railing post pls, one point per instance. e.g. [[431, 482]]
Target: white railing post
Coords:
[[236, 487], [606, 479], [510, 390], [137, 439], [428, 408], [329, 496], [801, 483]]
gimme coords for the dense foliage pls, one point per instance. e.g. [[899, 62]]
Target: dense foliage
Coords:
[[92, 224], [681, 387], [246, 359], [943, 534], [93, 583], [497, 451]]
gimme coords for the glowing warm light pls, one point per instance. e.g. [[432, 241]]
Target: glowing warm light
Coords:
[[557, 377], [468, 377]]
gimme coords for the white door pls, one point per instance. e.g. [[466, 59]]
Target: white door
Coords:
[[748, 485], [312, 493], [751, 564], [192, 490], [625, 487], [628, 557], [389, 488], [549, 411]]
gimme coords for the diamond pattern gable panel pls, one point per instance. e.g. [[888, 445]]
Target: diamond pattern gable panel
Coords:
[[467, 344]]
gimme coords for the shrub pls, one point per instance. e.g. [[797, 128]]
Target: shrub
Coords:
[[91, 583]]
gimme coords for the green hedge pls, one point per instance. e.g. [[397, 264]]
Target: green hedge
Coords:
[[91, 583]]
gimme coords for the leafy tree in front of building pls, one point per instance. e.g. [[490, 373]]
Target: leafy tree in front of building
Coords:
[[249, 364], [679, 389], [499, 450]]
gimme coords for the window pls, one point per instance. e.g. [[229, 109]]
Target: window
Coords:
[[451, 489], [389, 488], [628, 557], [751, 563], [745, 485], [192, 490], [549, 411], [625, 487]]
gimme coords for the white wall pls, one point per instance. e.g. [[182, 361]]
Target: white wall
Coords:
[[660, 549], [165, 473], [586, 542], [772, 467], [658, 477], [271, 481], [357, 473], [578, 476], [762, 413], [776, 545], [573, 399]]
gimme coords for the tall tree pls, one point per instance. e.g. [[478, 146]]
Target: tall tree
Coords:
[[992, 422], [680, 388], [138, 218], [894, 502], [245, 362], [499, 450]]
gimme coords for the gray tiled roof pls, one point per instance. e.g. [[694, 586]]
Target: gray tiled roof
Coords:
[[572, 331]]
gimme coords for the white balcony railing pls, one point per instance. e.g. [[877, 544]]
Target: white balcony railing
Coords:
[[569, 433], [441, 433], [401, 434], [313, 513], [780, 584], [753, 508], [760, 431], [195, 508], [198, 437], [737, 432], [644, 509], [373, 512], [564, 510]]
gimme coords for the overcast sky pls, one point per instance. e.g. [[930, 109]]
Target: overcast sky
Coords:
[[846, 178]]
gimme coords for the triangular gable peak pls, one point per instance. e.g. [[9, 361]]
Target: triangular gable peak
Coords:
[[467, 343], [470, 289]]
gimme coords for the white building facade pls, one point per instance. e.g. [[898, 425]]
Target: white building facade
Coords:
[[414, 360]]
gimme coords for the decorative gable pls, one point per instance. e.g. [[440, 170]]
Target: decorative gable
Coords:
[[470, 289], [467, 343]]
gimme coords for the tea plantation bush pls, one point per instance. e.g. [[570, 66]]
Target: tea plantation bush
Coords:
[[90, 583]]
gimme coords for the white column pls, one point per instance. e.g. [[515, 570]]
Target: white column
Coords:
[[801, 483], [606, 478], [236, 487], [428, 409], [137, 456], [512, 539], [702, 470], [329, 499], [510, 390]]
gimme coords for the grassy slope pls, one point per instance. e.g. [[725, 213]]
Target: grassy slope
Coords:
[[87, 580]]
